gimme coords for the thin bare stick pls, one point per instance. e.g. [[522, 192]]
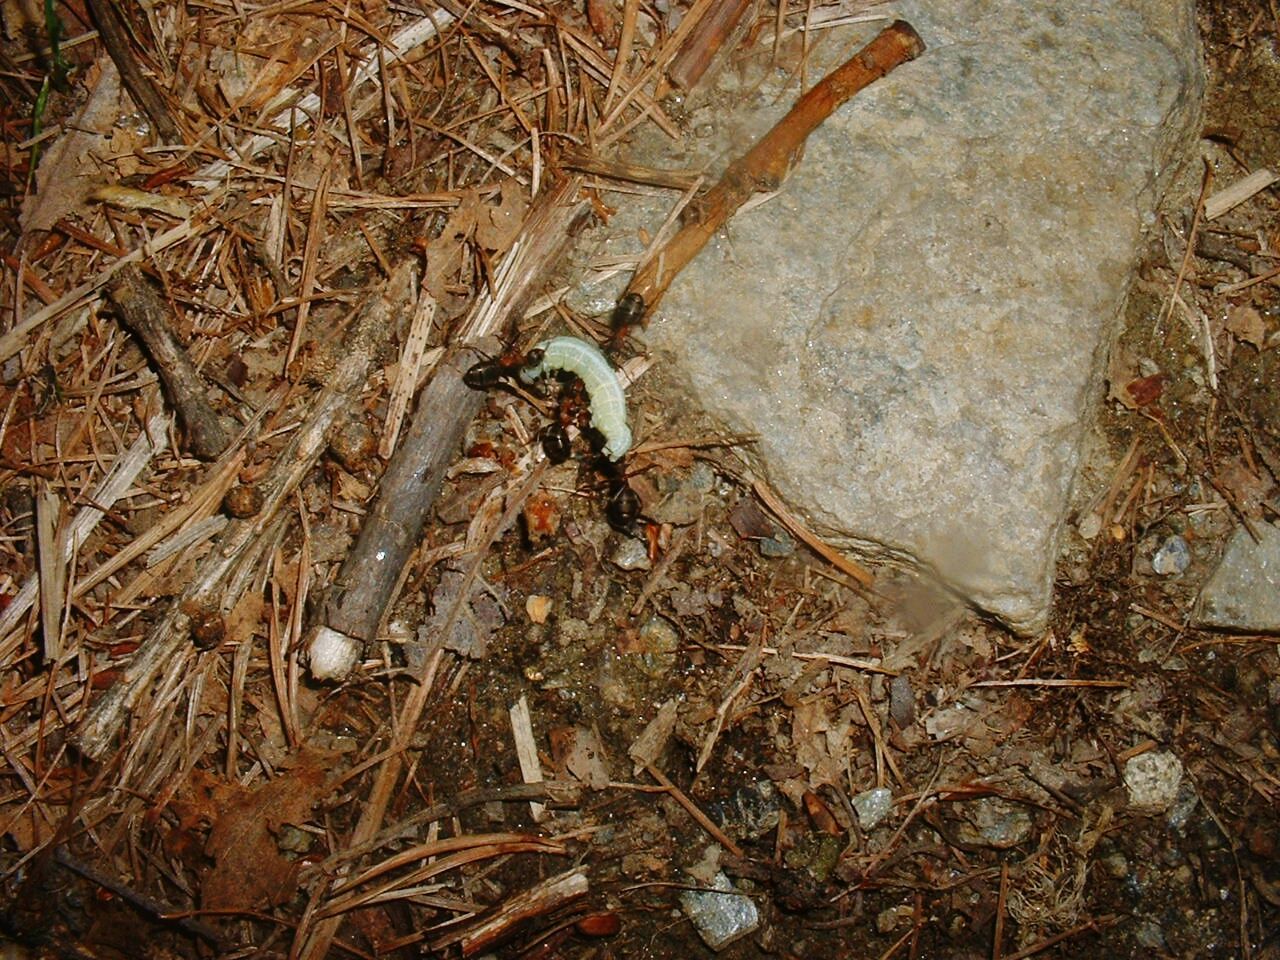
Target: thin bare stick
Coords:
[[1237, 193], [408, 371], [310, 259], [815, 543], [834, 659], [53, 551], [145, 92], [582, 159], [1205, 183], [738, 684], [126, 469], [242, 538], [706, 43], [693, 810], [146, 315], [527, 751], [547, 897], [765, 166]]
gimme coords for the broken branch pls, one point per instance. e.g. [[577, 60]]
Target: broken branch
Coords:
[[145, 314], [766, 165]]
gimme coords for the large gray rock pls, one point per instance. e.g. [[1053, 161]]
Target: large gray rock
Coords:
[[1243, 593], [915, 324]]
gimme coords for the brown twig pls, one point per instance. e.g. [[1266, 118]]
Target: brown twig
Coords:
[[145, 314], [115, 37], [766, 165], [694, 811], [549, 896], [583, 160], [706, 43]]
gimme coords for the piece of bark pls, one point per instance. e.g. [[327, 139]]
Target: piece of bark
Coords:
[[706, 43], [145, 314], [766, 164]]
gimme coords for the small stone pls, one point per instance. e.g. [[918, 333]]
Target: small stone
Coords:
[[902, 702], [1150, 934], [292, 840], [995, 822], [780, 546], [1183, 807], [657, 642], [872, 806], [1089, 527], [753, 810], [721, 916], [1173, 557], [890, 918], [702, 477], [1152, 780], [631, 554], [1117, 865]]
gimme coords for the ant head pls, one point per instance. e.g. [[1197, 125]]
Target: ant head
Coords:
[[629, 311]]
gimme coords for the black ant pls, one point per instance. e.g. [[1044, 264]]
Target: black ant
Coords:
[[622, 506], [487, 374]]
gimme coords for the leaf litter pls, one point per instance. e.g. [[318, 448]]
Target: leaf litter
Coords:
[[758, 687]]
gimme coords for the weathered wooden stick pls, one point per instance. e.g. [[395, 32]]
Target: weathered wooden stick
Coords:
[[765, 166], [368, 577], [145, 314], [208, 588], [546, 898], [145, 92]]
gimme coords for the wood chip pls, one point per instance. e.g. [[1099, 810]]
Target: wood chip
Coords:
[[1237, 193]]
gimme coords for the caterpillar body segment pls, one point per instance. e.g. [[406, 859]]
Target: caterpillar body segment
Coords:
[[604, 391]]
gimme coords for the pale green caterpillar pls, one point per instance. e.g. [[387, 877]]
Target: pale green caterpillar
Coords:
[[604, 390]]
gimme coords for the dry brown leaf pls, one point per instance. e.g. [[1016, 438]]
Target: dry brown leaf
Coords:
[[249, 870], [653, 739], [498, 225], [1247, 488], [243, 620], [809, 727], [68, 172], [579, 753], [1245, 323], [465, 612], [444, 254]]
